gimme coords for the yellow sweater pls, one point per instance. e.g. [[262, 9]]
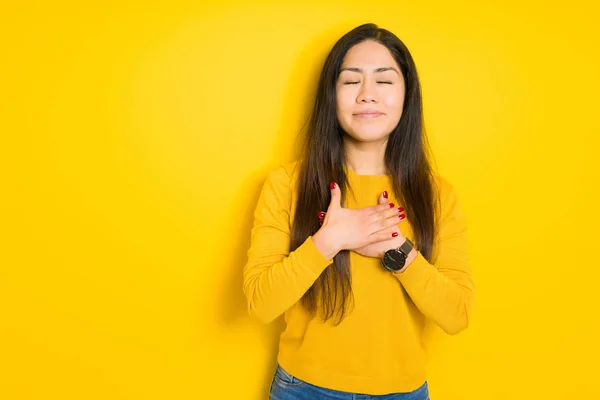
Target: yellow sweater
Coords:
[[377, 348]]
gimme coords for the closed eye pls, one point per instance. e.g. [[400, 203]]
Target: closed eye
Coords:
[[354, 83]]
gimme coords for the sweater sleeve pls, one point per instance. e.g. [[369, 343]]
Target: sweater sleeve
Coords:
[[274, 278], [444, 291]]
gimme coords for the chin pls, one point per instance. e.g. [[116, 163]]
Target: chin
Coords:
[[368, 135]]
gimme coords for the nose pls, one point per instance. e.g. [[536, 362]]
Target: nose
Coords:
[[366, 94]]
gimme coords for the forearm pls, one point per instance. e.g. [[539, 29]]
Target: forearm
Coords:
[[445, 296], [272, 287]]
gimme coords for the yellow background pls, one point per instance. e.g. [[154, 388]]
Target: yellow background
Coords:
[[135, 138]]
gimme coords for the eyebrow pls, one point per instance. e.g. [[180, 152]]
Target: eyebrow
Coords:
[[380, 69]]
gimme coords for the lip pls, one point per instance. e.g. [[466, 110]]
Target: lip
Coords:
[[368, 114]]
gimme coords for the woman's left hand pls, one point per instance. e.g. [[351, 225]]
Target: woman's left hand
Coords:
[[378, 249]]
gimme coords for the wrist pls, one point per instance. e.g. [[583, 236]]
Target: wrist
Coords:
[[409, 259], [325, 243]]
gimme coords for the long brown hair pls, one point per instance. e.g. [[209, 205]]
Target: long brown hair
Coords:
[[323, 160]]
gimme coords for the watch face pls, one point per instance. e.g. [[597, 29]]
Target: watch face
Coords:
[[393, 260]]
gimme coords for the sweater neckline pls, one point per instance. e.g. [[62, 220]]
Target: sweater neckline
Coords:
[[354, 174]]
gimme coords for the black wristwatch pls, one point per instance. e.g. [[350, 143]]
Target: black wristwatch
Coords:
[[395, 259]]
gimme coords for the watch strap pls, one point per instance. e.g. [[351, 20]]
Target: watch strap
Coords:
[[406, 247]]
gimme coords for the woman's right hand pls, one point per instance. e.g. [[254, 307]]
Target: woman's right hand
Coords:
[[346, 228]]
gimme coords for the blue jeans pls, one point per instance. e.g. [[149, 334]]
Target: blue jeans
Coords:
[[285, 386]]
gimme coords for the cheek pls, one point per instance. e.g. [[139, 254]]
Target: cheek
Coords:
[[344, 102], [394, 102]]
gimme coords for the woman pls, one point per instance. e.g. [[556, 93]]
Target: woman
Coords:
[[358, 282]]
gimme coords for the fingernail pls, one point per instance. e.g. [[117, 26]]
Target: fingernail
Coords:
[[391, 205], [400, 209], [394, 234], [332, 185], [320, 222], [385, 195], [402, 216], [321, 214]]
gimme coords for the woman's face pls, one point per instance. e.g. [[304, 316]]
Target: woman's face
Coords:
[[370, 92]]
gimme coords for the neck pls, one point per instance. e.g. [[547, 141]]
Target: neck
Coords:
[[365, 158]]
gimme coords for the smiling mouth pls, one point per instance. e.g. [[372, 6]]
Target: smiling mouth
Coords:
[[368, 115]]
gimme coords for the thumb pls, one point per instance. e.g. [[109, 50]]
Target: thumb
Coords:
[[336, 196]]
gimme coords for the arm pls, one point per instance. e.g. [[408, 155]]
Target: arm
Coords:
[[275, 278], [444, 291]]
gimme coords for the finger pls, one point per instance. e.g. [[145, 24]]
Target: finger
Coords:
[[385, 223], [390, 212], [383, 197], [382, 211], [379, 207], [395, 218], [385, 234], [321, 214]]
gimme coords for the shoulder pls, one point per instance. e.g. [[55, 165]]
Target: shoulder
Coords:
[[280, 181], [284, 173], [444, 188], [291, 168]]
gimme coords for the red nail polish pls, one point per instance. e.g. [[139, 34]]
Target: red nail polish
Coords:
[[394, 234], [402, 216], [400, 209], [385, 195], [391, 205], [332, 185], [321, 214]]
